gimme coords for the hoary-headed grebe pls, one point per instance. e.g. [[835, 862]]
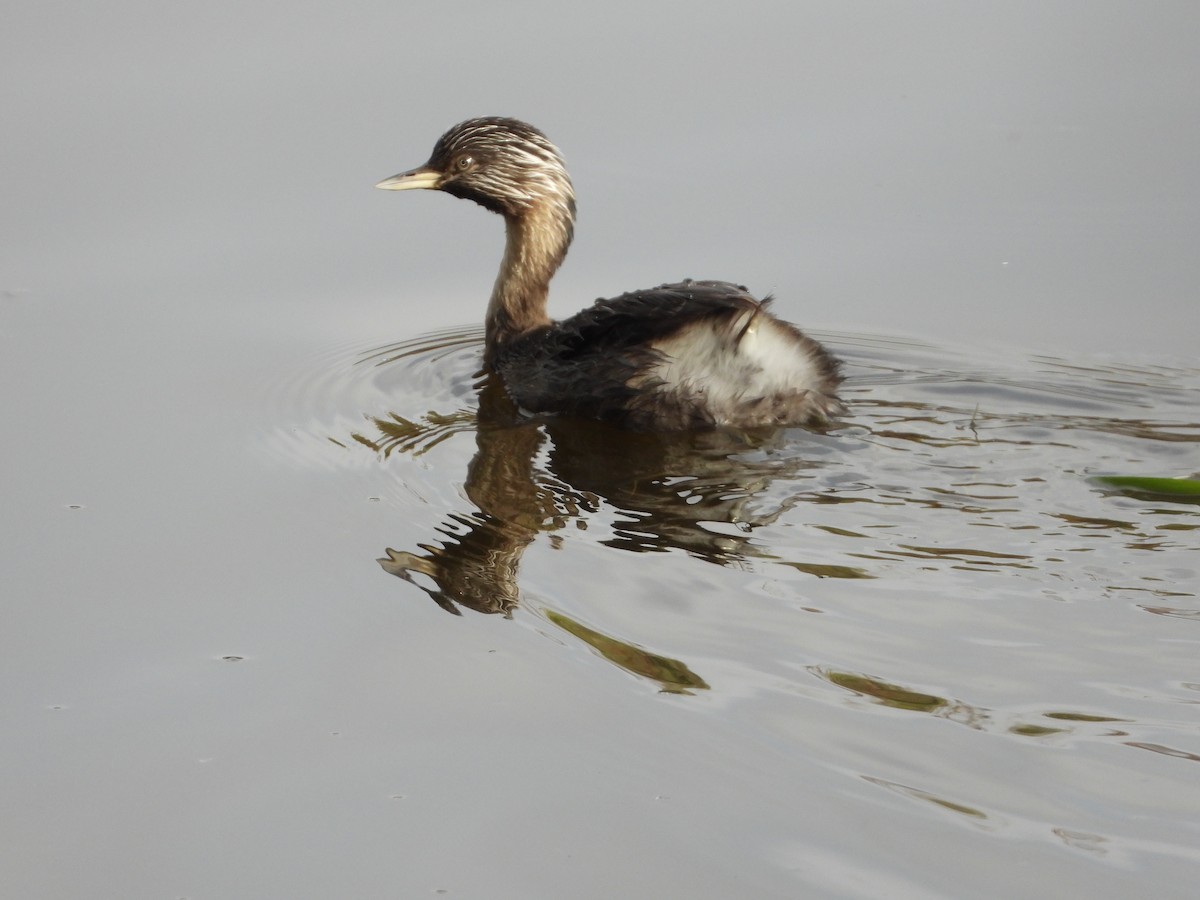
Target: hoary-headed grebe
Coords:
[[697, 354]]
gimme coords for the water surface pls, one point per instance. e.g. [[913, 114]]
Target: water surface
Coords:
[[246, 481]]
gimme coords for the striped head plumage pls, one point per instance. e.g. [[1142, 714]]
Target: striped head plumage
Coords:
[[502, 164]]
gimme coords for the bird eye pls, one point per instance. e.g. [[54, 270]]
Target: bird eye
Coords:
[[463, 163]]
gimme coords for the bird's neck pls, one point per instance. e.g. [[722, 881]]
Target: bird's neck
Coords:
[[537, 242]]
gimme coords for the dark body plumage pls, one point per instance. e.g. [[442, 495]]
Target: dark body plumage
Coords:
[[695, 354], [596, 362]]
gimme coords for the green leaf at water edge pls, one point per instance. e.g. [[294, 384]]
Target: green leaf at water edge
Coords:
[[1179, 488]]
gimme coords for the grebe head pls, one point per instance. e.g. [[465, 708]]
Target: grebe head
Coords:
[[502, 164]]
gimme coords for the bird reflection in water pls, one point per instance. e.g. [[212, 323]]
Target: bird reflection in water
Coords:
[[667, 490]]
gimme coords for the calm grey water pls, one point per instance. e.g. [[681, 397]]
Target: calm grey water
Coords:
[[921, 654], [249, 471]]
